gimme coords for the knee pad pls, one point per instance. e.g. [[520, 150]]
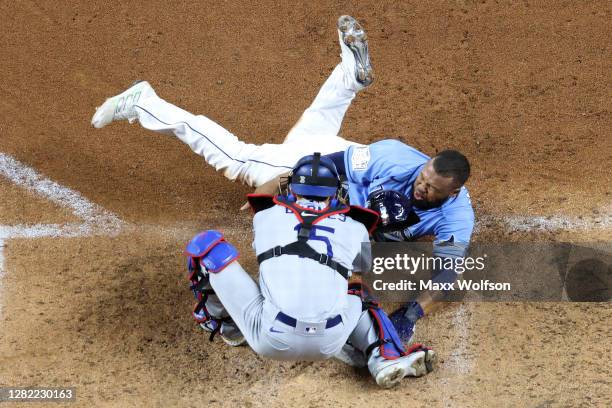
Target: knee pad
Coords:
[[221, 255], [211, 250], [199, 245], [207, 252], [202, 243]]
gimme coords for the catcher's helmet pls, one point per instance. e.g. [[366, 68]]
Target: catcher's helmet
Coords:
[[315, 176], [395, 210]]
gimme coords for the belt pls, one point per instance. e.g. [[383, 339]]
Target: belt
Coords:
[[290, 321]]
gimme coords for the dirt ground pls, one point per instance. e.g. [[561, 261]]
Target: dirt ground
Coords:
[[522, 88]]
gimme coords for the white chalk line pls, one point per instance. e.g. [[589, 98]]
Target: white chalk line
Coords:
[[55, 230], [532, 223], [96, 220], [96, 217], [463, 363], [462, 322], [1, 273], [459, 361]]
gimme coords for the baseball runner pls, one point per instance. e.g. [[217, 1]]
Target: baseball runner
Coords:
[[307, 244], [434, 185], [255, 164]]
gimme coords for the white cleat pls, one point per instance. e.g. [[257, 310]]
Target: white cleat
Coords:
[[121, 107], [358, 73], [389, 373]]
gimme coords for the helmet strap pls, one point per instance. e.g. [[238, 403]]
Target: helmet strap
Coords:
[[315, 164]]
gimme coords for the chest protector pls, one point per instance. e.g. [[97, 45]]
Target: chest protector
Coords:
[[308, 218]]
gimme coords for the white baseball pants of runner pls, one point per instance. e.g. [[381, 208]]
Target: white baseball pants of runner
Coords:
[[317, 130], [255, 316]]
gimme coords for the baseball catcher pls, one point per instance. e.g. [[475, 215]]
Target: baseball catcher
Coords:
[[307, 244], [434, 186]]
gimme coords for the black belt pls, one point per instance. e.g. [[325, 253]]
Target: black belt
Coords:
[[305, 250], [290, 321]]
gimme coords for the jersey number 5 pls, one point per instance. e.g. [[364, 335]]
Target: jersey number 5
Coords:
[[315, 237]]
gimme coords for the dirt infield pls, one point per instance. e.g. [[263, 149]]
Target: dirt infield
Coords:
[[522, 88]]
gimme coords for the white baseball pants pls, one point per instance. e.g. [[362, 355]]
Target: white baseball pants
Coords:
[[251, 164], [256, 317]]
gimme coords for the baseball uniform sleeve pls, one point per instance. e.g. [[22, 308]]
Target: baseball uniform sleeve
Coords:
[[452, 238], [453, 231], [338, 159], [368, 167]]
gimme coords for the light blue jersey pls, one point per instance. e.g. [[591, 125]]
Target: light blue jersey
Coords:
[[393, 165]]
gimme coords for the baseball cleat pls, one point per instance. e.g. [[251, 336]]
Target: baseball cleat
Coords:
[[229, 332], [358, 72], [351, 356], [389, 373], [121, 106]]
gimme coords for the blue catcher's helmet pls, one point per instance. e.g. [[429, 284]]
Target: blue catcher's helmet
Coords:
[[395, 210], [315, 176]]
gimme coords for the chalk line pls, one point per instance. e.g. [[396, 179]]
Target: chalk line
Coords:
[[1, 274], [462, 322], [94, 216], [54, 230], [525, 223], [96, 220]]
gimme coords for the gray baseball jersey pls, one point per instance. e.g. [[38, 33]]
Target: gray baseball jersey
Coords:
[[302, 287]]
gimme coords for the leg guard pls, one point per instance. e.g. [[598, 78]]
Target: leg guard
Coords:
[[202, 293], [391, 346], [387, 359], [207, 249]]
